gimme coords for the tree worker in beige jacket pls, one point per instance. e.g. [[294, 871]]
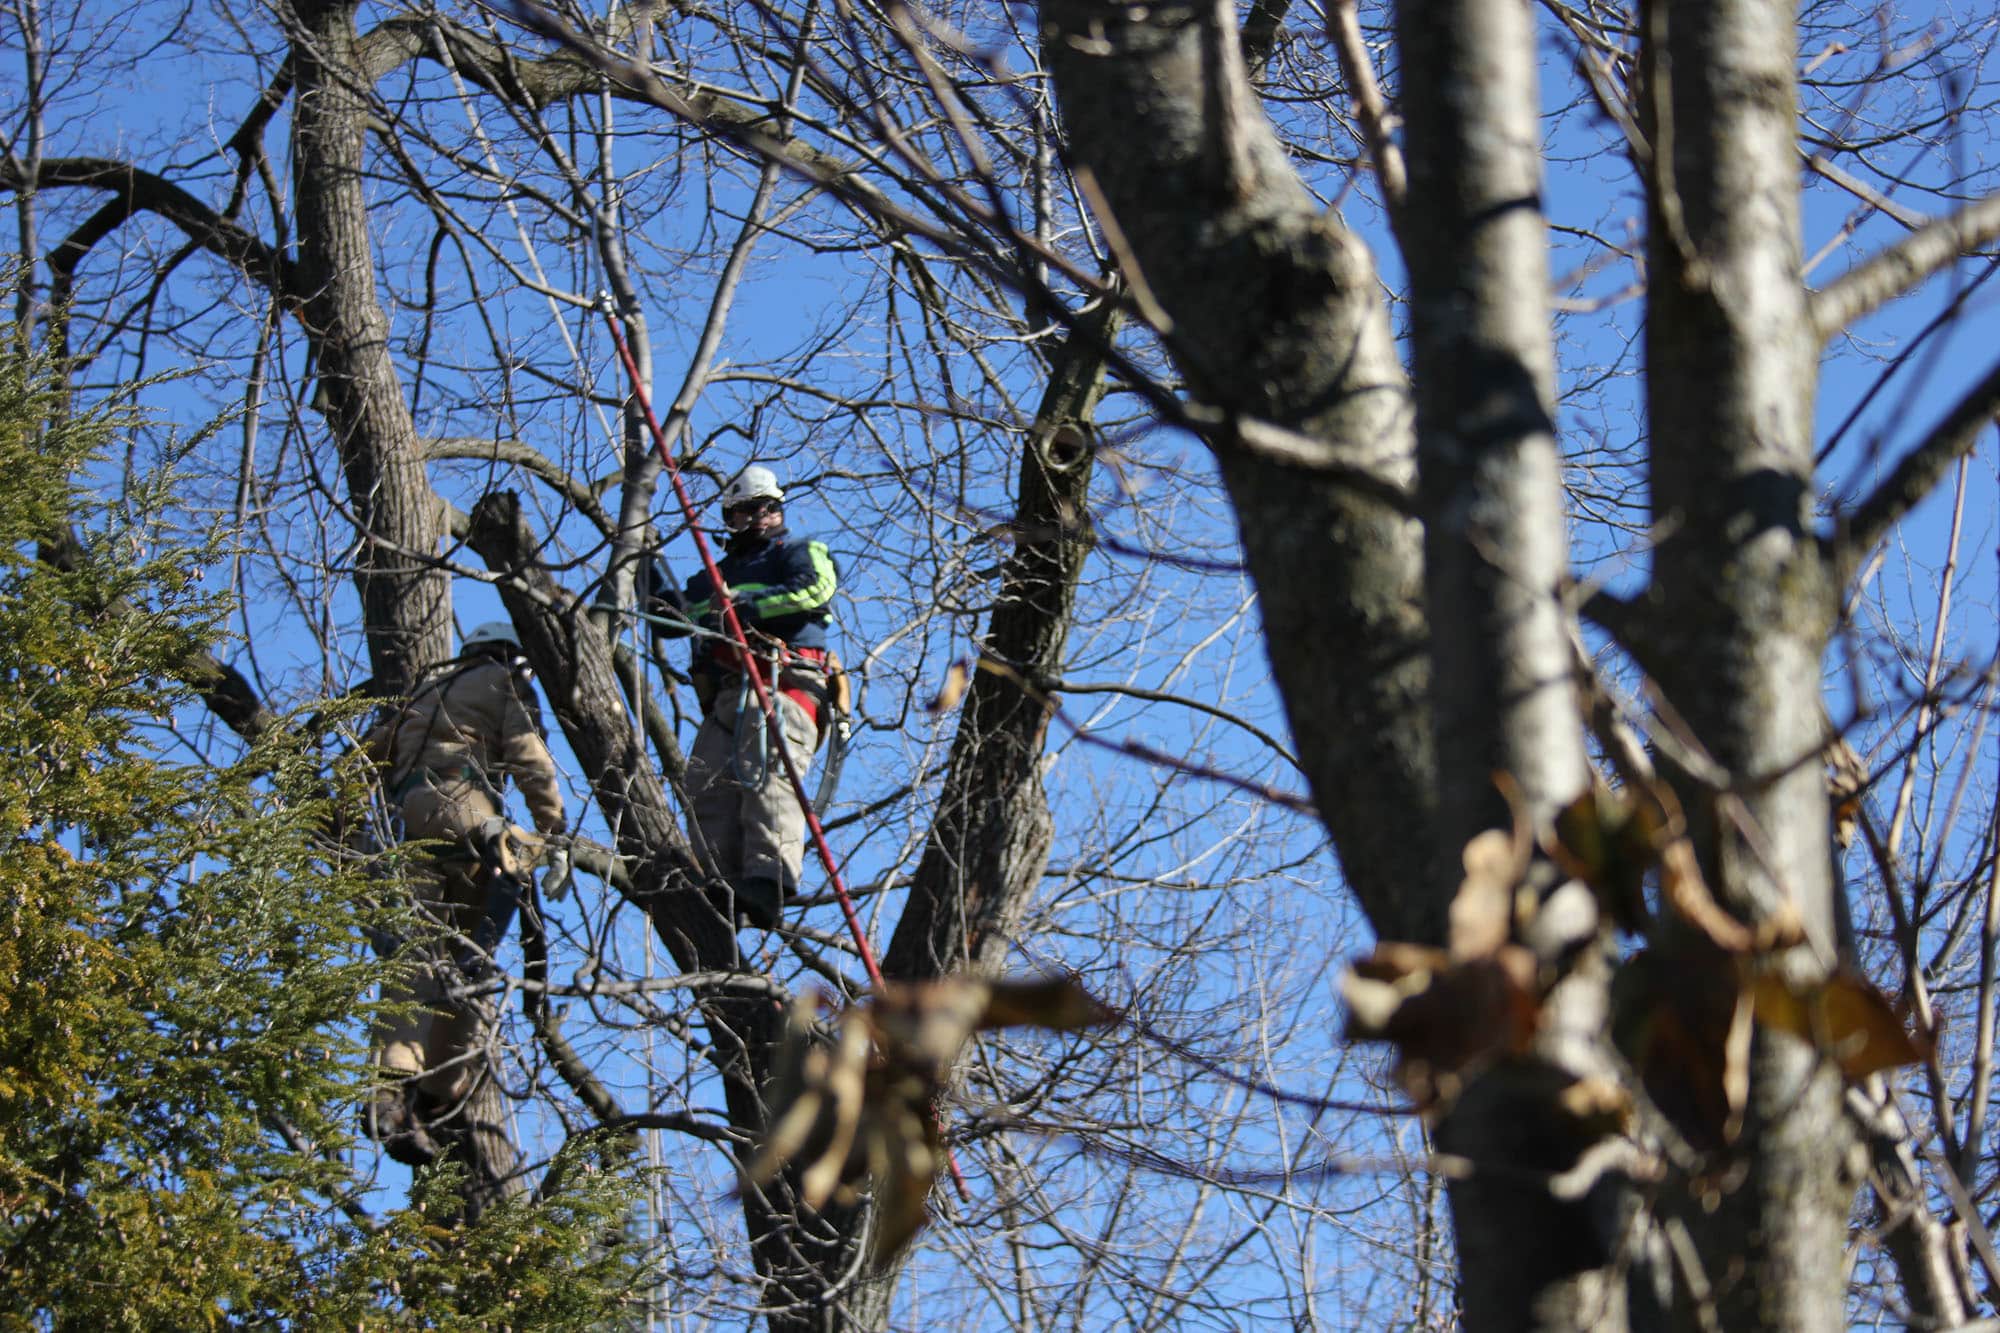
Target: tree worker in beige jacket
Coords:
[[445, 757]]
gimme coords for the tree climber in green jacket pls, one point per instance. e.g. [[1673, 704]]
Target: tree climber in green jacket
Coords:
[[744, 811]]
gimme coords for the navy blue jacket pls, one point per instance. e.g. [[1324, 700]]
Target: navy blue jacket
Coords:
[[779, 585]]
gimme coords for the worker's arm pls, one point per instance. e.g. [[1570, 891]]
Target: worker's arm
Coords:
[[525, 757], [660, 598]]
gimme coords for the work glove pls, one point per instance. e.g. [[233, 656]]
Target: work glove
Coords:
[[555, 879]]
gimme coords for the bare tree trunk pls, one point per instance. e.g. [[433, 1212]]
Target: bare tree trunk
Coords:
[[1495, 552], [1743, 605], [1277, 316], [989, 841], [405, 598]]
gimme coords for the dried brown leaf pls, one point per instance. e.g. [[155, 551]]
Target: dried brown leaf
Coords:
[[816, 1110], [1448, 1019], [1846, 784], [1844, 1016], [905, 1154], [1686, 891], [1598, 1107], [926, 1024], [866, 1103], [951, 690], [1059, 1004], [1609, 842], [1482, 912], [1682, 1018]]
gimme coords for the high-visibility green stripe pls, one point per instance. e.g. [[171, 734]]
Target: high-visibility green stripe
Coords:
[[809, 598], [697, 610]]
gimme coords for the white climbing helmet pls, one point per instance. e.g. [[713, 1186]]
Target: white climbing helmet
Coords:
[[493, 631], [755, 482]]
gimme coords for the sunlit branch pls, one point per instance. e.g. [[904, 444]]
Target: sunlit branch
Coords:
[[1889, 274], [529, 459]]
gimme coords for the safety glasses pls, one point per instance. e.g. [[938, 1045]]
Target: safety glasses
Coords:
[[747, 511]]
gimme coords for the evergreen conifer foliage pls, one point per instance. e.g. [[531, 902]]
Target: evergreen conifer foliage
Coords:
[[184, 981]]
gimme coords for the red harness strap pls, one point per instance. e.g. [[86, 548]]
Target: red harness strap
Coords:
[[727, 660]]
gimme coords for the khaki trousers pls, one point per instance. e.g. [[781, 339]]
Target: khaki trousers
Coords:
[[752, 829], [435, 1039]]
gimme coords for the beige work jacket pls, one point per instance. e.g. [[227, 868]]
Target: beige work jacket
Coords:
[[471, 721]]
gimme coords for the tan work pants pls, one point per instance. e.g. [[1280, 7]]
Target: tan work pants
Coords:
[[752, 829], [436, 1039]]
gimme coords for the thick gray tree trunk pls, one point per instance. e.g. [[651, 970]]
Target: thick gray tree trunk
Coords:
[[1278, 317], [405, 599], [1741, 604], [1496, 551], [989, 840]]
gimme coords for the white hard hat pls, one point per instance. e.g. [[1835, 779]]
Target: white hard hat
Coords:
[[493, 631], [755, 482]]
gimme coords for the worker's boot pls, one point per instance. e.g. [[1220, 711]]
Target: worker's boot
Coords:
[[757, 903], [389, 1118]]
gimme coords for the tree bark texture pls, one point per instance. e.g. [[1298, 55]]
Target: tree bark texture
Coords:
[[1277, 316], [405, 598], [1741, 601], [1490, 484], [1495, 554]]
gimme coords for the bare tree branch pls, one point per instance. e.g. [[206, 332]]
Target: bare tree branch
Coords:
[[1887, 275], [135, 190], [1914, 477]]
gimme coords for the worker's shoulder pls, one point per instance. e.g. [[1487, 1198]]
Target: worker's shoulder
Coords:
[[799, 548], [494, 679]]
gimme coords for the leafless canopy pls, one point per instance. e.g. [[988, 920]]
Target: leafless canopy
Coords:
[[1285, 419]]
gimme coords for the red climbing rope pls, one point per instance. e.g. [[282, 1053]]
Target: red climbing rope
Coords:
[[735, 628]]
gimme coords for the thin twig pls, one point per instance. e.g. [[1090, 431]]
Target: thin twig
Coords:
[[1343, 28], [1128, 262]]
